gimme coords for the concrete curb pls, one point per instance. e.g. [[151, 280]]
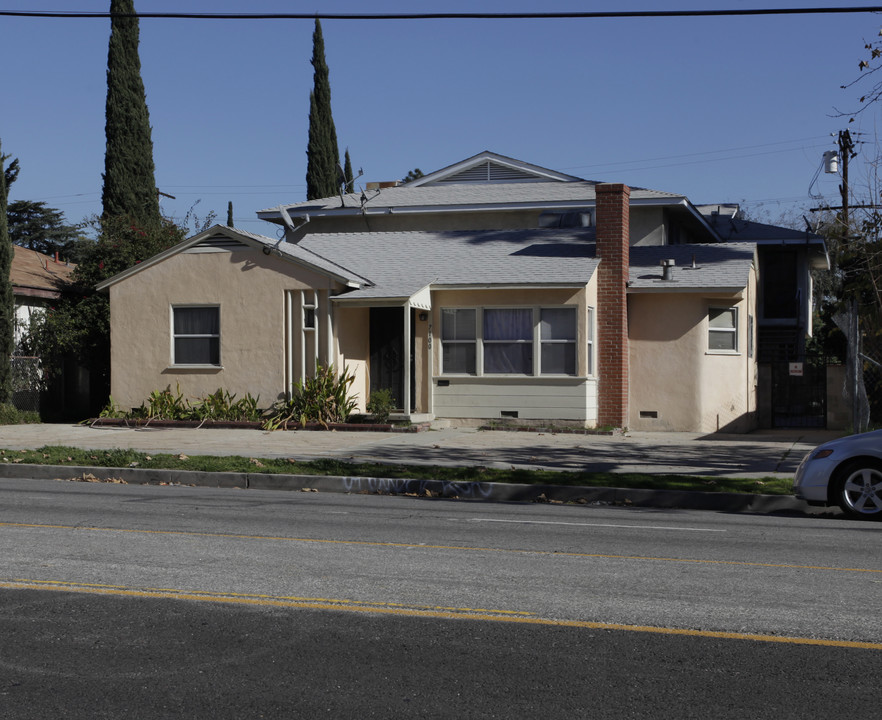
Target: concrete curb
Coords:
[[488, 491]]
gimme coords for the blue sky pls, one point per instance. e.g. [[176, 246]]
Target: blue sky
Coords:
[[730, 109]]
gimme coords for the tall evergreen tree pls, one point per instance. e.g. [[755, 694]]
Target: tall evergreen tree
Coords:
[[10, 174], [34, 225], [322, 154], [347, 173], [7, 302], [129, 178], [230, 214]]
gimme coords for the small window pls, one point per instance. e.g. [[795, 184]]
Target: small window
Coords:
[[723, 330], [309, 317], [564, 219], [557, 335], [459, 341], [508, 341], [196, 335], [589, 336]]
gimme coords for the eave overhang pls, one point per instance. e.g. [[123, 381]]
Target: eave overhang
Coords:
[[269, 248], [670, 286]]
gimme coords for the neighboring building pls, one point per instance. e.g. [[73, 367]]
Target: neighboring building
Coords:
[[792, 384], [490, 290], [37, 281]]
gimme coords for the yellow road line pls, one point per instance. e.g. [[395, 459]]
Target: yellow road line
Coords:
[[421, 546], [234, 597], [413, 611]]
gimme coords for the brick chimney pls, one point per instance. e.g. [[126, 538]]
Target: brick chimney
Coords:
[[613, 245]]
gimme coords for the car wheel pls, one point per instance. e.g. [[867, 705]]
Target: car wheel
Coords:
[[859, 490]]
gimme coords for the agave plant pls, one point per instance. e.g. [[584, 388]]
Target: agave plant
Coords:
[[325, 398]]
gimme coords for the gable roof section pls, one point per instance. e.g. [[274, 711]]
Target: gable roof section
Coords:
[[489, 167], [222, 237], [37, 275], [487, 181], [401, 264], [718, 267]]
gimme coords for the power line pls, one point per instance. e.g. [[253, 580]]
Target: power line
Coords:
[[448, 15], [680, 156]]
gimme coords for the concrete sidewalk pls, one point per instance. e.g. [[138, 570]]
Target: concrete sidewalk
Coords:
[[757, 455], [772, 453]]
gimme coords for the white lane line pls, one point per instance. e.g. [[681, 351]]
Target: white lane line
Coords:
[[605, 525]]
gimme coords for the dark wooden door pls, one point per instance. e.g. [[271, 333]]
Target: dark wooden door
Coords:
[[387, 351]]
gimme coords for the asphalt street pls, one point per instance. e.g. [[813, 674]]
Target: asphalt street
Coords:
[[170, 601]]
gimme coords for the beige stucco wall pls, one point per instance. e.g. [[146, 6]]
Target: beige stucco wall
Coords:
[[250, 289], [675, 377], [647, 226], [353, 337]]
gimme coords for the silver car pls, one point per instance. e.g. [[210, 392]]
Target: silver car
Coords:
[[846, 472]]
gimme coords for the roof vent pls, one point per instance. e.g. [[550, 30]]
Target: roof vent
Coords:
[[668, 269], [488, 172]]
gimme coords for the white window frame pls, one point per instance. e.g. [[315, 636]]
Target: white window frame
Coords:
[[728, 331], [571, 342], [175, 336], [535, 342], [474, 341], [484, 343]]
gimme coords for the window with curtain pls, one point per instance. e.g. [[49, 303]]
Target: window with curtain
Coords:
[[501, 341], [459, 341], [722, 329], [508, 341], [557, 335], [196, 335]]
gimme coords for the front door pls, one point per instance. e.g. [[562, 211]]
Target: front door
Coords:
[[387, 351]]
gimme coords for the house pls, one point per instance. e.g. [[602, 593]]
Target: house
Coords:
[[492, 289], [37, 281]]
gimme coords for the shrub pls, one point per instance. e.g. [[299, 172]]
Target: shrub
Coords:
[[221, 405], [381, 404], [168, 405], [11, 415], [324, 399]]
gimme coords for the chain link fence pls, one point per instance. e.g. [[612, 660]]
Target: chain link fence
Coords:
[[863, 371], [28, 382], [871, 370]]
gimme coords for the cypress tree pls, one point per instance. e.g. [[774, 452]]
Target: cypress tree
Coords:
[[129, 177], [347, 173], [322, 154], [230, 214], [7, 301]]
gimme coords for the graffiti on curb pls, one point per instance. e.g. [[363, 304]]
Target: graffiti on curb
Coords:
[[400, 486]]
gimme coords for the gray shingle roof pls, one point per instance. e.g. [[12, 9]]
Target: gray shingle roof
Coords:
[[465, 194], [399, 264], [718, 266]]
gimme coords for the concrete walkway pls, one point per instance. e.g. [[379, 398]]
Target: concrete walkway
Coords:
[[771, 453]]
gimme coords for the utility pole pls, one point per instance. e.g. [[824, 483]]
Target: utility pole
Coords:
[[846, 150]]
